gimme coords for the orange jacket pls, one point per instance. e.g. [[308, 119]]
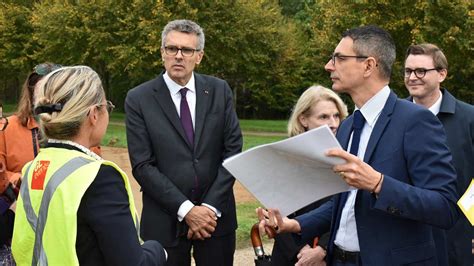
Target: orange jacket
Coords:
[[17, 148]]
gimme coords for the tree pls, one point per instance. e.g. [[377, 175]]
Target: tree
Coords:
[[446, 23], [16, 48]]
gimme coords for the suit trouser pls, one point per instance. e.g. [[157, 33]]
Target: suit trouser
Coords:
[[217, 250]]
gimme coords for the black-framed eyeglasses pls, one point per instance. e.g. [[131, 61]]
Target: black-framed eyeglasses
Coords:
[[45, 68], [342, 57], [419, 72], [109, 106], [185, 51], [3, 120]]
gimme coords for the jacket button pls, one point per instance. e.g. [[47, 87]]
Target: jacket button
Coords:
[[196, 161]]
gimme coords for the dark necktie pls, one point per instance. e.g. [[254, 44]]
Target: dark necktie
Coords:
[[185, 116], [357, 125]]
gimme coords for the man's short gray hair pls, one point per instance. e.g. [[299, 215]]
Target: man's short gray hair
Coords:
[[376, 42], [185, 26]]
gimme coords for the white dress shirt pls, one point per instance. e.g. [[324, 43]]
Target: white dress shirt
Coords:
[[346, 236], [437, 105], [174, 88]]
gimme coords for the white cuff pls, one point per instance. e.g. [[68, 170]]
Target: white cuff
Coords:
[[218, 213], [184, 209]]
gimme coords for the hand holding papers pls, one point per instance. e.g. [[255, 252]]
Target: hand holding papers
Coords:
[[291, 173]]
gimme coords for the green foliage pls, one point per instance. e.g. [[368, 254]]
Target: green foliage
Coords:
[[445, 23], [269, 51]]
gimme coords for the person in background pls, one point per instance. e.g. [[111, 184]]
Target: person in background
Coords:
[[7, 196], [317, 106], [397, 160], [74, 207], [20, 141], [426, 67], [181, 126]]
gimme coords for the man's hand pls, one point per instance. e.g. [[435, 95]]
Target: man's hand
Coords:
[[311, 256], [271, 222], [202, 222], [356, 172]]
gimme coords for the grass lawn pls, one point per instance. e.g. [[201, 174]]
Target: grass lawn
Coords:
[[116, 137]]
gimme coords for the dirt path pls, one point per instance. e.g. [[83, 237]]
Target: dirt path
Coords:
[[119, 156]]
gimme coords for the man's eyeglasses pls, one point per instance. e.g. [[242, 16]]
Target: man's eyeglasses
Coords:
[[45, 68], [3, 120], [109, 106], [419, 72], [342, 57], [173, 50]]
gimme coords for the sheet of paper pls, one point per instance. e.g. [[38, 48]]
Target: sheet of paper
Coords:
[[466, 203], [292, 173]]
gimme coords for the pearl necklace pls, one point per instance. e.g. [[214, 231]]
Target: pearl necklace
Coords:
[[77, 145]]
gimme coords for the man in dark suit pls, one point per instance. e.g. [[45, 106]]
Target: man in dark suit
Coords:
[[180, 127], [426, 67], [398, 164]]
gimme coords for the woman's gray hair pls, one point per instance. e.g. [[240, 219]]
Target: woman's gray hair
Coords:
[[186, 26], [72, 91]]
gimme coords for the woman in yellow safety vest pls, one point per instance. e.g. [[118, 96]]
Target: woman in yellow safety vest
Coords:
[[74, 207]]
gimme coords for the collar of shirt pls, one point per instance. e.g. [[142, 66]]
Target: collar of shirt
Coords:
[[175, 87], [373, 107], [437, 105]]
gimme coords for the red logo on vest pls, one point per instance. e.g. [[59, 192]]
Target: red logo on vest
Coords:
[[39, 175]]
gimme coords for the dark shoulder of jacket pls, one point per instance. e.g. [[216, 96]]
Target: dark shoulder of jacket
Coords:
[[106, 175]]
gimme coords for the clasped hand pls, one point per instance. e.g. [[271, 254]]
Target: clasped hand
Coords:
[[202, 222]]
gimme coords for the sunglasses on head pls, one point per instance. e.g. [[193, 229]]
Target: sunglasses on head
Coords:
[[45, 68]]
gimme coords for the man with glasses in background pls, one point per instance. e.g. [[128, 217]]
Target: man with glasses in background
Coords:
[[180, 127], [396, 160], [426, 67]]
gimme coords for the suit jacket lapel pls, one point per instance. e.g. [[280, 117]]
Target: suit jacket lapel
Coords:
[[203, 92], [344, 132], [164, 100], [380, 125]]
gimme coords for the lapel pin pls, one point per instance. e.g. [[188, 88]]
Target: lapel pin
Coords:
[[206, 91]]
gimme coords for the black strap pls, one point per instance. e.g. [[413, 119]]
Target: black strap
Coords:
[[34, 136]]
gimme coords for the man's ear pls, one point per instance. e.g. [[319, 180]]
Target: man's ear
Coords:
[[370, 66], [200, 56], [442, 74]]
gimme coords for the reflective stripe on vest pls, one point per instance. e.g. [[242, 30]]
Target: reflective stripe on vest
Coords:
[[38, 222]]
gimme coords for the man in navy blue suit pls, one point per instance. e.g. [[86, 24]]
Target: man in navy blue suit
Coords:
[[399, 165], [426, 67]]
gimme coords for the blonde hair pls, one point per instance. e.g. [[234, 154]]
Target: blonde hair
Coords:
[[75, 89], [308, 99]]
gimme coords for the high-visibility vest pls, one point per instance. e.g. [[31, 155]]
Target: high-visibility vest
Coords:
[[46, 214]]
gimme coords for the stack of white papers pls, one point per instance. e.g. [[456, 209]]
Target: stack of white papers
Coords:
[[292, 173]]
